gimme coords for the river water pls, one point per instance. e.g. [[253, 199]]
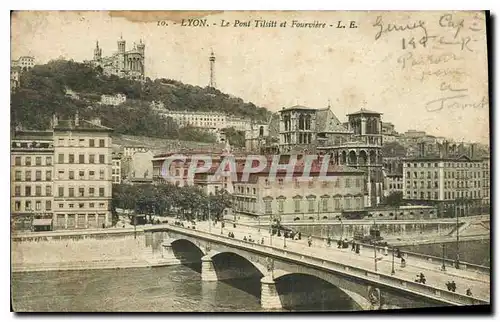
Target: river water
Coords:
[[171, 289], [162, 289]]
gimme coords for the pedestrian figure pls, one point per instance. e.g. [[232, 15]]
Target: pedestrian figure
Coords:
[[309, 241], [262, 241], [328, 241], [403, 262], [468, 292], [279, 233], [353, 248], [244, 238], [300, 235], [453, 286], [339, 243], [398, 252], [357, 249], [386, 250]]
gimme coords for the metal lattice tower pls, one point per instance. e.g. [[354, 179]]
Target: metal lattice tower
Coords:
[[212, 70]]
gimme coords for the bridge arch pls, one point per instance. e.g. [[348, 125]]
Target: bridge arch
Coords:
[[230, 265], [297, 289], [187, 250]]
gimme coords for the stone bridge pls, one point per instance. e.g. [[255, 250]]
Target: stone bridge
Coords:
[[292, 278]]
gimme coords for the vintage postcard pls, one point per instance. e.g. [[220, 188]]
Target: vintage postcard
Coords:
[[249, 161]]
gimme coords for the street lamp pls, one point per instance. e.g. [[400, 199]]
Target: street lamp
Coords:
[[393, 271], [209, 220], [457, 261], [284, 240], [375, 249], [443, 266]]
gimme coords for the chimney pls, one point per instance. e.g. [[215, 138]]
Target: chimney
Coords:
[[421, 146], [77, 119], [472, 150]]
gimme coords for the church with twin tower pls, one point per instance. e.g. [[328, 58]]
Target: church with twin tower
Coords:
[[123, 62]]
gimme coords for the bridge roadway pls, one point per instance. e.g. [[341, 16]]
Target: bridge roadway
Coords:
[[479, 283]]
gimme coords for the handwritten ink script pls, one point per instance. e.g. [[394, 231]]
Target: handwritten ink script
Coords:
[[438, 53]]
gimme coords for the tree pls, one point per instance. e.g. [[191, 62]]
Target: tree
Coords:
[[395, 199]]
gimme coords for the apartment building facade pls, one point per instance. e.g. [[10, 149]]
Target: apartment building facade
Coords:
[[445, 182], [32, 154]]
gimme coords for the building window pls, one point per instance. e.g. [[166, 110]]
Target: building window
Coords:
[[48, 175], [81, 205], [81, 192], [27, 175], [18, 176], [280, 205], [311, 183], [71, 192], [91, 192], [27, 205], [324, 203], [310, 205], [71, 175], [436, 195], [81, 158], [38, 205], [101, 143], [38, 161], [48, 190], [337, 182], [17, 206], [18, 161], [71, 158], [267, 205], [101, 174], [297, 205], [27, 161], [324, 184], [91, 158], [101, 192], [358, 183], [38, 175], [17, 191], [91, 205], [337, 204], [61, 191], [347, 183], [48, 160], [348, 203], [48, 205], [280, 182], [297, 183], [60, 158], [38, 191], [91, 143], [71, 205], [101, 158]]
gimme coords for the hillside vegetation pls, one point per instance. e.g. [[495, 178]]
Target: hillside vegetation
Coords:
[[43, 93]]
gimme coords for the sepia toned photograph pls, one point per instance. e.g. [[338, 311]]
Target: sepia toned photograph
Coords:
[[249, 161]]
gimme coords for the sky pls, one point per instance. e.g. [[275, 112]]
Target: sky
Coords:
[[381, 65]]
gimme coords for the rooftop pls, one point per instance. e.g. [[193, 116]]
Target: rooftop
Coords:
[[83, 125], [364, 111]]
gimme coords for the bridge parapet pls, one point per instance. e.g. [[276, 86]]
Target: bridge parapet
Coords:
[[373, 277]]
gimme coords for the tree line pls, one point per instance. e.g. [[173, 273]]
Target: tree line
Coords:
[[187, 202], [42, 93]]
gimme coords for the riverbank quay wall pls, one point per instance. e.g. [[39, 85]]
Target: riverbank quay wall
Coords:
[[85, 249]]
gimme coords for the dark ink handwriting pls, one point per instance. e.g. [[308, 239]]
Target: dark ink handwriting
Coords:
[[443, 72], [447, 87], [410, 60], [446, 21], [454, 102], [394, 27]]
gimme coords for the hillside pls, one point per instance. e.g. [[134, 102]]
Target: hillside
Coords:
[[43, 93]]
